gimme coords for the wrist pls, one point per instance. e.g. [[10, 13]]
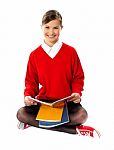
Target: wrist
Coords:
[[27, 97], [76, 94]]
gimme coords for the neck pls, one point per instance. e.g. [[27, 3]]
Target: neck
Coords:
[[49, 43]]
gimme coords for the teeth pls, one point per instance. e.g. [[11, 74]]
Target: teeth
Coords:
[[50, 36]]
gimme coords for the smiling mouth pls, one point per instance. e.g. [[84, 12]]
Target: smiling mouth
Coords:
[[51, 36]]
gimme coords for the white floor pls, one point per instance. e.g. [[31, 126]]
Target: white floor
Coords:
[[93, 36], [31, 138]]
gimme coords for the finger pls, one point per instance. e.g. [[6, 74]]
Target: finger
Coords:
[[77, 101], [34, 103], [73, 99], [28, 102], [69, 100]]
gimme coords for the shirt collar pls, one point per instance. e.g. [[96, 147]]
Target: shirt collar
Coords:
[[52, 51]]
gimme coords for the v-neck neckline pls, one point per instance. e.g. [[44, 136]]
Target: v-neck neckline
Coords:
[[55, 55]]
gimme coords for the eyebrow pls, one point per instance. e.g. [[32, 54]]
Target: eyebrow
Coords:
[[53, 26]]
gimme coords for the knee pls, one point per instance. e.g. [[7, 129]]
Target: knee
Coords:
[[19, 114], [84, 115], [79, 117]]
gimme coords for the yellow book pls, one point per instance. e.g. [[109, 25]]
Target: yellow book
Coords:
[[48, 113]]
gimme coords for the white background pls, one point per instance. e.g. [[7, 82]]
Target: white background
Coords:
[[89, 27]]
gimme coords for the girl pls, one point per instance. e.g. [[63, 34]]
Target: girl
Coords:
[[56, 67]]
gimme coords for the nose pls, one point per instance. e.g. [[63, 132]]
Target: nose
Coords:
[[51, 32]]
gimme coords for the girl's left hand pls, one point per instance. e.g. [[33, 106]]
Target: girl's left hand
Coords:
[[76, 97]]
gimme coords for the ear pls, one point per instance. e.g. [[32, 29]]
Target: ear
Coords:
[[61, 27]]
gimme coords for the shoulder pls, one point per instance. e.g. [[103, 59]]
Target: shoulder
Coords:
[[69, 49], [68, 46], [33, 55], [35, 52]]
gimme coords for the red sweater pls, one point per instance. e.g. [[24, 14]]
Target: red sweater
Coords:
[[59, 76]]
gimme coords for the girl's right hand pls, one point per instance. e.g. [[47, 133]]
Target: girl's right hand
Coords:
[[28, 101]]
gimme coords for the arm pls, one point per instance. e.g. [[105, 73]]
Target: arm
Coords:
[[31, 79], [78, 79]]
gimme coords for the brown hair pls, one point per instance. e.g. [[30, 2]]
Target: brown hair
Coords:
[[51, 15]]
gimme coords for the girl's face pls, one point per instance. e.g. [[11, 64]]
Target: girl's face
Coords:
[[51, 32]]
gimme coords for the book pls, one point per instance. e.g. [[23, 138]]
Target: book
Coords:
[[56, 103], [64, 119], [48, 113]]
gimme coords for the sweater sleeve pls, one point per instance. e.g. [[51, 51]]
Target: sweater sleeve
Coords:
[[31, 78], [78, 75]]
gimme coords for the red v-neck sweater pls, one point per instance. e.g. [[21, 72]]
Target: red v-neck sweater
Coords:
[[59, 76]]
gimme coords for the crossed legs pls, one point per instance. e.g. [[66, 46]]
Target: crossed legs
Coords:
[[77, 115]]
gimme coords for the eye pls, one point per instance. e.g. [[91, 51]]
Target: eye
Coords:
[[56, 27], [47, 27]]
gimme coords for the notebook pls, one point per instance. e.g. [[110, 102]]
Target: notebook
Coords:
[[64, 119], [48, 113]]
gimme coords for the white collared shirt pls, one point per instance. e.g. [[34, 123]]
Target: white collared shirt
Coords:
[[52, 51]]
